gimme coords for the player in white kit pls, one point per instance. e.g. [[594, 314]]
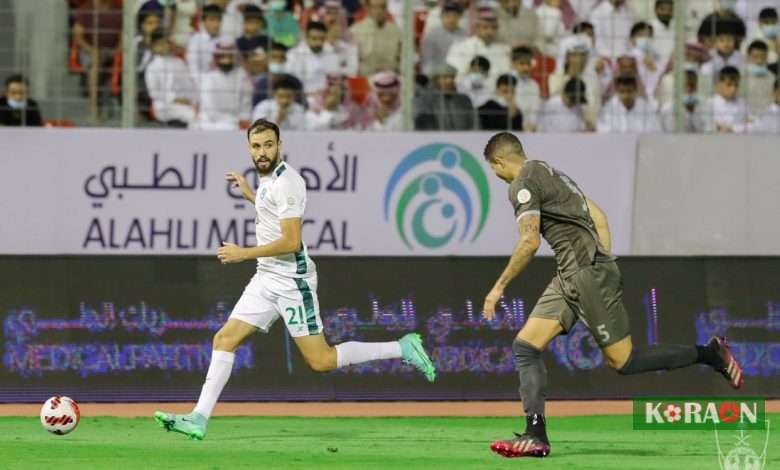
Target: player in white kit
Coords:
[[285, 286]]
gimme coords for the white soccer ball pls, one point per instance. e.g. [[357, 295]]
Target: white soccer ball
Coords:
[[60, 415]]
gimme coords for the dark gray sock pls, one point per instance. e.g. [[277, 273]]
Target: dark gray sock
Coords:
[[659, 357], [533, 377]]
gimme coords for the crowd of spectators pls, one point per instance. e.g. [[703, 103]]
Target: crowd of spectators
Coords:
[[527, 65]]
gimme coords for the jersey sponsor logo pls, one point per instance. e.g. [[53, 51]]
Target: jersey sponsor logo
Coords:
[[523, 196], [436, 196]]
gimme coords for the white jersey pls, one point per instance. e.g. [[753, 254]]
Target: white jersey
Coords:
[[281, 195]]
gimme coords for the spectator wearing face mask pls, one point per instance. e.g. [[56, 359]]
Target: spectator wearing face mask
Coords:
[[564, 113], [695, 56], [768, 122], [277, 69], [282, 108], [476, 83], [551, 27], [757, 82], [16, 109], [225, 91], [577, 64], [313, 59], [691, 103], [724, 54], [627, 112], [726, 112], [282, 25], [768, 31], [501, 112], [642, 48]]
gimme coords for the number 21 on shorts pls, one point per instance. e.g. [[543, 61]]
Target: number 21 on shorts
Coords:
[[295, 316]]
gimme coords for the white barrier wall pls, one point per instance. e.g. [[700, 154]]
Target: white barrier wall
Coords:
[[713, 195], [163, 191]]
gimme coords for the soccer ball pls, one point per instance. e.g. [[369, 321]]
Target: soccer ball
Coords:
[[60, 415]]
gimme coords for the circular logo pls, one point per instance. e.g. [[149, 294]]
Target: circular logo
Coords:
[[523, 196], [437, 194]]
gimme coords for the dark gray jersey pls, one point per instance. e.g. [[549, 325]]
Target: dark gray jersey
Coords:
[[565, 220]]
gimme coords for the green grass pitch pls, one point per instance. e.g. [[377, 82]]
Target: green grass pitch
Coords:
[[598, 442]]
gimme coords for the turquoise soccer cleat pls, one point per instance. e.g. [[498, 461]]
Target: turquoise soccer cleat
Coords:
[[413, 353], [192, 425]]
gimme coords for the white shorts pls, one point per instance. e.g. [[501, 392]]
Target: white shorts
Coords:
[[270, 296]]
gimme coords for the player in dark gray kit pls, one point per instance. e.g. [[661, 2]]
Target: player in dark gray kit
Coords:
[[587, 287]]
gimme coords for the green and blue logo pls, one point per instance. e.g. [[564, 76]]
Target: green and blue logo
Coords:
[[437, 194]]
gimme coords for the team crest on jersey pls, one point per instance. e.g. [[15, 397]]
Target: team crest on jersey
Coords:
[[523, 196]]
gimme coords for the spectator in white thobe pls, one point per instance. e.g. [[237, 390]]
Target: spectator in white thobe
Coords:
[[626, 112], [225, 91], [169, 84]]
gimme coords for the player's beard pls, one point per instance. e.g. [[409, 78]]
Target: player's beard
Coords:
[[267, 167]]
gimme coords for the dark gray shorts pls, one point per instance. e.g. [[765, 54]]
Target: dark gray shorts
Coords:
[[593, 295]]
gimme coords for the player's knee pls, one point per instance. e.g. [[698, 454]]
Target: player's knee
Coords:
[[320, 364], [618, 361], [225, 341]]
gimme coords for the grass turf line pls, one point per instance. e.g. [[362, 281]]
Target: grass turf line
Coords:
[[595, 442]]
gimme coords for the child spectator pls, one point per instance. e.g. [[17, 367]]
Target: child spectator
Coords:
[[501, 112]]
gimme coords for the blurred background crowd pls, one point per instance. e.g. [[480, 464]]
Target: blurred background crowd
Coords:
[[607, 66]]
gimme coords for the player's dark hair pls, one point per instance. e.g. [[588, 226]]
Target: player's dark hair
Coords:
[[278, 46], [506, 79], [758, 45], [522, 53], [503, 141], [285, 82], [481, 62], [15, 78], [641, 26], [728, 73], [767, 14], [261, 125], [211, 10], [316, 26]]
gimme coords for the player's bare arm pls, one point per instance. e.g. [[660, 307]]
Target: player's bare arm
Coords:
[[238, 181], [602, 225], [521, 256], [288, 243]]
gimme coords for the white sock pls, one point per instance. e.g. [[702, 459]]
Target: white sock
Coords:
[[216, 378], [354, 352]]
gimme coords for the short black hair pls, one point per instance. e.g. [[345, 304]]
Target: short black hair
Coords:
[[15, 78], [316, 26], [626, 80], [278, 46], [663, 2], [506, 79], [768, 14], [285, 82], [211, 10], [261, 125], [582, 26], [253, 12], [641, 26], [758, 45], [502, 141], [481, 62], [522, 52], [728, 73]]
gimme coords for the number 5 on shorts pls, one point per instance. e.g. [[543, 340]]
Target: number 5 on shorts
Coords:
[[292, 312], [602, 329]]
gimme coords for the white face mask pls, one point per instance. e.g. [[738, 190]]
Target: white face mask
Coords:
[[758, 70], [16, 104], [728, 4], [644, 44], [691, 66], [277, 67], [770, 30], [476, 80]]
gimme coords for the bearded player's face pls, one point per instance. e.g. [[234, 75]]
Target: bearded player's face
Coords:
[[264, 148]]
